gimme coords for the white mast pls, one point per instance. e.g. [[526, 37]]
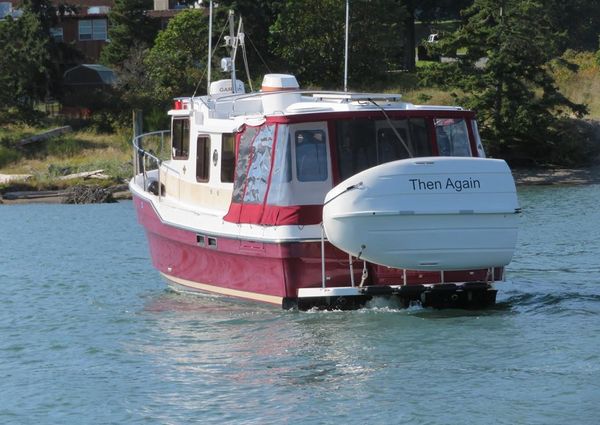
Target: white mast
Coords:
[[346, 52], [234, 48], [210, 15]]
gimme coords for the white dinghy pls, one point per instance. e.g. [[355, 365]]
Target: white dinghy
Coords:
[[434, 213]]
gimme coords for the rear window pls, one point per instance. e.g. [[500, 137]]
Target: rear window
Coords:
[[365, 143], [452, 137]]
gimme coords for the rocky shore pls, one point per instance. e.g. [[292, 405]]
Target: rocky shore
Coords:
[[557, 176]]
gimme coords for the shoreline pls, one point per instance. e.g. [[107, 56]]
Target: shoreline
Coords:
[[556, 176], [522, 176]]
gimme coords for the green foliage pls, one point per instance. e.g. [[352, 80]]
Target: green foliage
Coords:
[[23, 59], [130, 28], [8, 155], [511, 88], [30, 59], [309, 37], [176, 63], [579, 20], [155, 119], [258, 15]]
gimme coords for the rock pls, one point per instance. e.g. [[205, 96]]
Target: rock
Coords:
[[87, 195]]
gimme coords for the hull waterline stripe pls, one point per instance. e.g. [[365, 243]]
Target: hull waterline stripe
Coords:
[[272, 299]]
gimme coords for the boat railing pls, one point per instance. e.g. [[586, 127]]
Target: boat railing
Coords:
[[147, 159], [318, 95]]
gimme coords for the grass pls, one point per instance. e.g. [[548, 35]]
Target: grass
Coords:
[[580, 85], [71, 153]]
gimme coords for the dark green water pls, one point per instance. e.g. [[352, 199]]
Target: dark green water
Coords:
[[90, 335]]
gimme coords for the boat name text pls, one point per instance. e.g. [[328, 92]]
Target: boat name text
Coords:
[[456, 185]]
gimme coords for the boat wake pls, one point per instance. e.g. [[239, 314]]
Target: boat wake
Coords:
[[556, 303]]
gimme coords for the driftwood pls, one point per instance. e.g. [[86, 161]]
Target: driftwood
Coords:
[[7, 178], [10, 196], [45, 135], [87, 195], [96, 174]]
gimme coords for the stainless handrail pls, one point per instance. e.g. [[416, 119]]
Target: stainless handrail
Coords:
[[141, 156]]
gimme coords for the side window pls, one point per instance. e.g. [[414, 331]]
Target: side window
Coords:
[[480, 150], [260, 167], [311, 155], [227, 158], [180, 138], [203, 159], [243, 160], [452, 137]]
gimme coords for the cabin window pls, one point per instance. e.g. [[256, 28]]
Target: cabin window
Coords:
[[227, 158], [243, 159], [365, 143], [180, 138], [452, 137], [253, 164], [281, 176], [203, 159], [311, 155], [260, 167]]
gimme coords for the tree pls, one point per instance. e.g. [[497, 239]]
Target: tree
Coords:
[[580, 21], [30, 59], [258, 16], [176, 64], [24, 57], [309, 37], [129, 28], [504, 75]]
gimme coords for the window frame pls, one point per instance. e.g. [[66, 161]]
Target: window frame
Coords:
[[206, 158], [179, 153], [324, 160], [57, 34], [98, 30], [226, 160]]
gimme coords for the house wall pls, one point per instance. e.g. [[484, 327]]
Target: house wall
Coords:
[[89, 48]]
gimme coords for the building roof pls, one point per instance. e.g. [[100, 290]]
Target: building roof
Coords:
[[89, 74], [77, 3]]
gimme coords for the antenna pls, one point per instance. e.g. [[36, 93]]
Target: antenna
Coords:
[[346, 51], [233, 47]]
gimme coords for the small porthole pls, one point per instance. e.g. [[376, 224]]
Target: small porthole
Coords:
[[200, 240]]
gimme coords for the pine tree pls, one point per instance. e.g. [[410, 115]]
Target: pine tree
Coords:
[[309, 37], [24, 59], [503, 74], [129, 28]]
